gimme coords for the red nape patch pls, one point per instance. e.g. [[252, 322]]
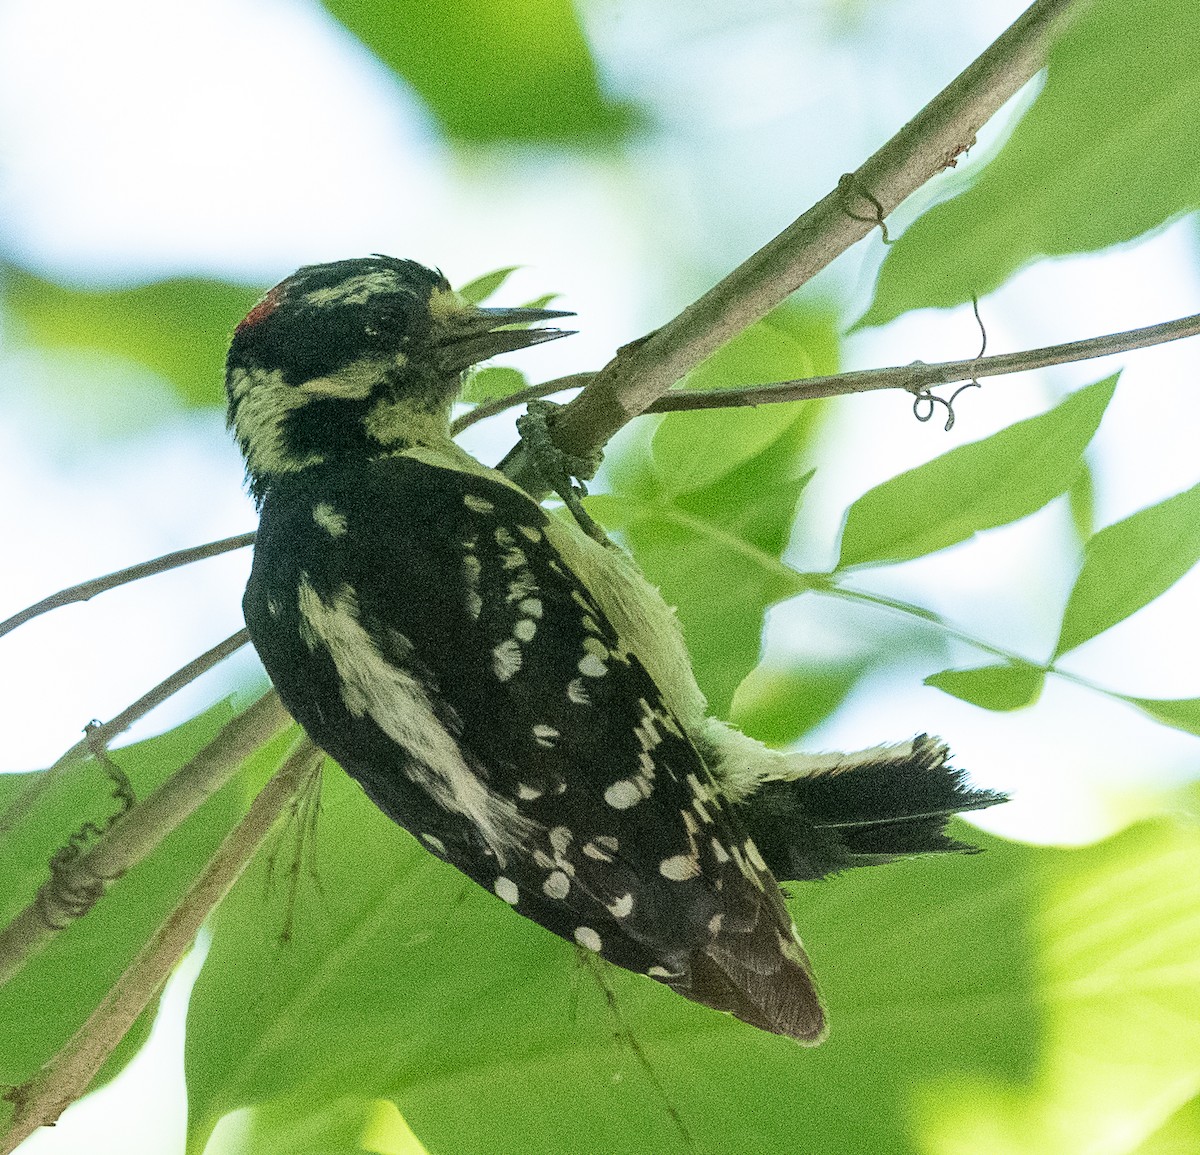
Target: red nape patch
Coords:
[[263, 309]]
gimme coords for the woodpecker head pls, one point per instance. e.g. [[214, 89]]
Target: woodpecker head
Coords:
[[354, 358]]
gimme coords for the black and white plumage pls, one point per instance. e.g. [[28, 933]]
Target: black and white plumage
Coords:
[[515, 695]]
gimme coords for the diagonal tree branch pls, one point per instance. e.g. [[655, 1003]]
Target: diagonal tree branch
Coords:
[[918, 375], [531, 393], [89, 589], [98, 737], [913, 378], [645, 369], [72, 890], [42, 1099]]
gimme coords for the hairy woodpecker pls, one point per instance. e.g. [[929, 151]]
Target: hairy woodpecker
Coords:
[[513, 693]]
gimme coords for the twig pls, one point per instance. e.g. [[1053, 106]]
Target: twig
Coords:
[[42, 1099], [104, 733], [913, 377], [645, 369], [520, 397], [75, 887], [89, 589], [921, 376]]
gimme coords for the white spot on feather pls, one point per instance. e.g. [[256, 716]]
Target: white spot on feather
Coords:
[[506, 660], [557, 885], [623, 794], [507, 890], [545, 735], [329, 519], [679, 867], [399, 705], [753, 855], [621, 907], [591, 666], [522, 586], [477, 504], [586, 937], [560, 839]]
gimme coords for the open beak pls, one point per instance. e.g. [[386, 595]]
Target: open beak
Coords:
[[476, 334]]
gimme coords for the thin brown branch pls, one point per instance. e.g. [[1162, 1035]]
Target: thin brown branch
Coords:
[[99, 736], [531, 393], [919, 376], [42, 1099], [89, 589], [77, 885], [645, 369]]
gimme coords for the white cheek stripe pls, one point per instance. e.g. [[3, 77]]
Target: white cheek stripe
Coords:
[[263, 405], [400, 707]]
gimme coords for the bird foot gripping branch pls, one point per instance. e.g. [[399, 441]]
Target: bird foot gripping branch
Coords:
[[563, 473], [510, 691]]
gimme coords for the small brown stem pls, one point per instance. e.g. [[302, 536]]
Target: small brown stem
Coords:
[[103, 734], [520, 397], [136, 833], [94, 586], [922, 376], [645, 369], [42, 1099]]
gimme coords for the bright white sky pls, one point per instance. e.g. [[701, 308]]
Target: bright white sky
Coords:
[[244, 137]]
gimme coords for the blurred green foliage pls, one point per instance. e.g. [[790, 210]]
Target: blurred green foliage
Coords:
[[41, 1007], [956, 986], [180, 328], [1106, 153], [520, 71], [1022, 1002]]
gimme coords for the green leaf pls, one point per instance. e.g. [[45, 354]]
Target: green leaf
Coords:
[[1179, 1135], [709, 526], [1106, 152], [491, 382], [1007, 686], [404, 980], [517, 71], [43, 1005], [476, 291], [1182, 713], [347, 1126], [693, 449], [180, 328], [975, 487], [779, 706], [1082, 500], [1118, 948], [1129, 564]]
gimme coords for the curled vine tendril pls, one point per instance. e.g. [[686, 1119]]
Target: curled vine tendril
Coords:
[[848, 184], [932, 400], [77, 897]]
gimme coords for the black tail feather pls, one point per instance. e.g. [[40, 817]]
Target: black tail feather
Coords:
[[862, 814]]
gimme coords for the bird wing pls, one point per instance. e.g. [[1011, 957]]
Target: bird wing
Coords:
[[422, 629]]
